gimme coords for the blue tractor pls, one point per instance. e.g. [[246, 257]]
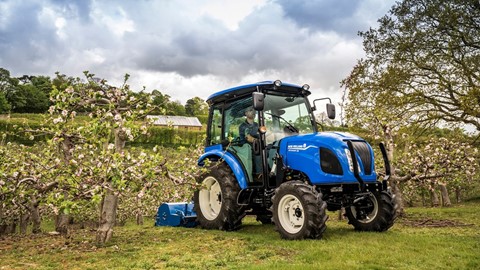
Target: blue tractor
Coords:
[[264, 157]]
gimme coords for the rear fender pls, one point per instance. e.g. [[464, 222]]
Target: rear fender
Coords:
[[231, 160]]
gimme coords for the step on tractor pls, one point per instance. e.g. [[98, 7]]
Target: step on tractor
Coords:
[[265, 157]]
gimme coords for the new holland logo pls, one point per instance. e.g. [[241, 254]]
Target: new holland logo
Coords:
[[299, 147]]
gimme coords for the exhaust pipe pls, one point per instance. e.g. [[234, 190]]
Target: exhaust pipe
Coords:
[[355, 165]]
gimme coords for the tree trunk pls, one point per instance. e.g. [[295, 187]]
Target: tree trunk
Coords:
[[11, 228], [35, 215], [445, 198], [62, 219], [139, 214], [393, 182], [434, 197], [107, 218], [458, 194], [424, 200], [398, 199], [24, 218], [3, 229], [61, 223], [2, 225], [120, 139], [139, 219], [108, 209]]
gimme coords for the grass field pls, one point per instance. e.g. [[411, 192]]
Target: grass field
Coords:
[[430, 238]]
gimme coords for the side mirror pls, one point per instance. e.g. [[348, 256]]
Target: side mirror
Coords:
[[258, 99], [331, 110]]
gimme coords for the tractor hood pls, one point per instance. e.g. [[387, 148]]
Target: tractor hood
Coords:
[[324, 157], [330, 138]]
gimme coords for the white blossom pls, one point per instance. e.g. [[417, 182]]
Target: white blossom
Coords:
[[57, 120]]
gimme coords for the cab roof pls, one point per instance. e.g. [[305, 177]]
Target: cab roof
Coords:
[[264, 86]]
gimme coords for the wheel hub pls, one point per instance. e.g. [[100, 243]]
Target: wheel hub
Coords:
[[366, 209], [290, 213], [298, 212], [210, 198]]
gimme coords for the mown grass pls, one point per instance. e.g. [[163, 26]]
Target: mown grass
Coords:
[[257, 246]]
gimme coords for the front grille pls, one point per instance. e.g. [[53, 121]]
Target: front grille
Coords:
[[329, 162], [364, 152]]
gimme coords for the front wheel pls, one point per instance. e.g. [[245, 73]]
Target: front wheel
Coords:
[[375, 212], [215, 202], [299, 211]]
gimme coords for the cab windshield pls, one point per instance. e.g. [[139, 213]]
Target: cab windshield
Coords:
[[286, 116]]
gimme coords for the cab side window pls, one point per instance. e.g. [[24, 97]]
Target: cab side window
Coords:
[[216, 127], [234, 117]]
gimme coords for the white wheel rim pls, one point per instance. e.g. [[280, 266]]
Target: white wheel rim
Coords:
[[371, 216], [291, 214], [210, 198]]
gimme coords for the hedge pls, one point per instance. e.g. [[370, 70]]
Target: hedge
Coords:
[[156, 135]]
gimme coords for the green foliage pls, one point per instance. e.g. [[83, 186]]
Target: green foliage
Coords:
[[25, 94], [196, 106], [31, 99], [203, 118], [13, 126], [4, 105], [171, 137], [422, 63], [164, 106]]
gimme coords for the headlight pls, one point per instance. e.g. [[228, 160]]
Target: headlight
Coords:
[[350, 162]]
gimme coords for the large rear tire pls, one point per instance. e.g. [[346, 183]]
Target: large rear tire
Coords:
[[376, 212], [215, 202], [299, 211]]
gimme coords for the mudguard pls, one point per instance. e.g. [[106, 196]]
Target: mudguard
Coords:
[[216, 152]]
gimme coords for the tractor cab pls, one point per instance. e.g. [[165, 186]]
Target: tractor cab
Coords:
[[281, 110]]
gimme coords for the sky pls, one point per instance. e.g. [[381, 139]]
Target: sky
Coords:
[[188, 48]]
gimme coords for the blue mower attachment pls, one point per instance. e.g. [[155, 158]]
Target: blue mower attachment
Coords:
[[176, 215]]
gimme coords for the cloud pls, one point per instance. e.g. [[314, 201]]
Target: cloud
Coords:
[[186, 47], [77, 9], [322, 15], [344, 17]]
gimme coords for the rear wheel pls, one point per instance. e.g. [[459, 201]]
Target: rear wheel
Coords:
[[299, 211], [375, 212], [215, 201]]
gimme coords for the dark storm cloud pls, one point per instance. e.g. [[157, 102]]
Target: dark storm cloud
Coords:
[[25, 41], [324, 15], [174, 39], [209, 48], [42, 37]]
